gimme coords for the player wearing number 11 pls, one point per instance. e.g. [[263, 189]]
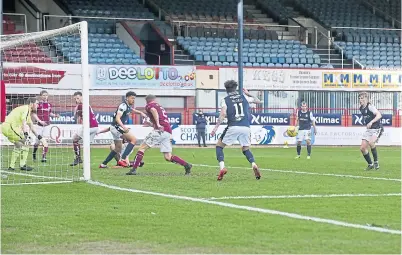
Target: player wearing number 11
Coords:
[[236, 108]]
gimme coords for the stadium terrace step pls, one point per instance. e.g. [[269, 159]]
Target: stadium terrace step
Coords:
[[335, 58], [183, 62], [324, 51], [181, 56], [265, 20], [261, 17]]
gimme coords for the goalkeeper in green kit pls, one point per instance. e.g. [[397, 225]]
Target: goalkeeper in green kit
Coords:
[[16, 128]]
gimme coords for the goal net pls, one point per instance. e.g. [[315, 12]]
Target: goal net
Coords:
[[51, 66]]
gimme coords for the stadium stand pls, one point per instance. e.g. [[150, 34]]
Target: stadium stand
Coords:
[[257, 52], [104, 46], [116, 9], [374, 55], [278, 10], [202, 10], [349, 13], [374, 48], [29, 53], [389, 7]]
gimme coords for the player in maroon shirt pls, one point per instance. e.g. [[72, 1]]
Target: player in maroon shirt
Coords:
[[93, 127], [41, 118], [160, 135]]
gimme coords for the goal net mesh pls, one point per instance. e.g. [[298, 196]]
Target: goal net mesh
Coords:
[[46, 65]]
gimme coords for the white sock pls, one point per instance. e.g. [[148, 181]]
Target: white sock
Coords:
[[222, 165]]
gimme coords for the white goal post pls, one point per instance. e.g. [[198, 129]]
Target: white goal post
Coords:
[[41, 53]]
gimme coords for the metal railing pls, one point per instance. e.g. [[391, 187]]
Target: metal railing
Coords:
[[182, 27], [358, 63], [154, 55], [19, 19], [331, 42], [64, 20], [368, 28]]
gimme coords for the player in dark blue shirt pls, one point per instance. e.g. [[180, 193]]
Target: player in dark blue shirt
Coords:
[[235, 107], [120, 131], [372, 120], [305, 120]]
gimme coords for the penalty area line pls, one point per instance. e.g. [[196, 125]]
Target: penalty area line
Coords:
[[299, 172], [305, 173], [251, 209], [306, 196]]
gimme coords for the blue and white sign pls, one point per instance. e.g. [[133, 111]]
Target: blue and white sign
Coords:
[[270, 119], [68, 118], [187, 134], [255, 118], [327, 119], [143, 77], [65, 118], [211, 117], [104, 117], [174, 118], [358, 120]]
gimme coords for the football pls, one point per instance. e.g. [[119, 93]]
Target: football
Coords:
[[292, 132]]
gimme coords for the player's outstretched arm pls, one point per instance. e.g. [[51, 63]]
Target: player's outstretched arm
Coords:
[[313, 123], [222, 116], [255, 99], [146, 122], [31, 127], [155, 115], [52, 114], [140, 112], [35, 118], [377, 117]]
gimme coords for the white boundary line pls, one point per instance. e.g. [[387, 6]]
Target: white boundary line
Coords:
[[34, 175], [307, 196], [297, 172], [252, 209], [34, 183]]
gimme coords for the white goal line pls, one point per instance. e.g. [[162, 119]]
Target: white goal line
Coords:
[[305, 196]]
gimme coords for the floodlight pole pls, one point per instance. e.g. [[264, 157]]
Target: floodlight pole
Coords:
[[240, 43]]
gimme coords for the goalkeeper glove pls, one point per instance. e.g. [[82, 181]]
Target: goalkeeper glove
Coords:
[[27, 140]]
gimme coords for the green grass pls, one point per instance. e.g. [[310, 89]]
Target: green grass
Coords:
[[82, 218]]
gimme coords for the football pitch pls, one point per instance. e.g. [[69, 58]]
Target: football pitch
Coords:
[[327, 204]]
